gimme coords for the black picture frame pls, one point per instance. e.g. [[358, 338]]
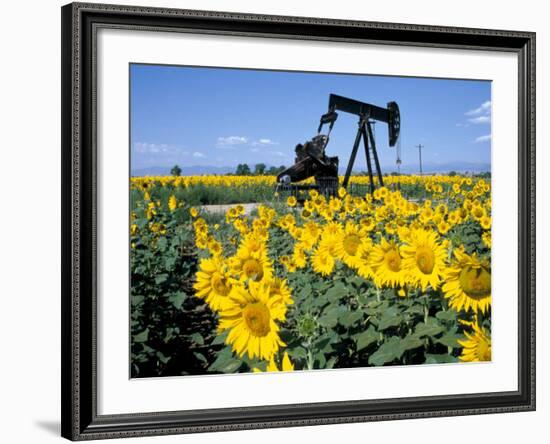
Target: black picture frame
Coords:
[[80, 22]]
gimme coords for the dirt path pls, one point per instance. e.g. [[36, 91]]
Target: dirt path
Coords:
[[221, 209]]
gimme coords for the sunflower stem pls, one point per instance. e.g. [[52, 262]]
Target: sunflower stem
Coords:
[[309, 359], [426, 311], [426, 315]]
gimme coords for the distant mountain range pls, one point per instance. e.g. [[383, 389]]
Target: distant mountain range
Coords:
[[433, 167], [196, 170], [428, 167]]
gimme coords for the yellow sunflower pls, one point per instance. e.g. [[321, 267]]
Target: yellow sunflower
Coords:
[[322, 261], [249, 267], [231, 214], [347, 244], [310, 234], [213, 282], [368, 223], [279, 288], [386, 263], [364, 259], [287, 262], [172, 203], [486, 238], [478, 212], [331, 230], [424, 258], [443, 227], [214, 247], [252, 245], [485, 222], [477, 346], [468, 283], [299, 256], [453, 218], [286, 365], [251, 317]]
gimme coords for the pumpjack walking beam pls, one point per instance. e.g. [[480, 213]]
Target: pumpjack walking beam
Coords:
[[367, 113]]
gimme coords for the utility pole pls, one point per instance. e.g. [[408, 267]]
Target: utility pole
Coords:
[[420, 146]]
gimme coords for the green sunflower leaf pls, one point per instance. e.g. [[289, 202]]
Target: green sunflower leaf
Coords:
[[334, 294], [450, 340], [440, 359], [197, 338], [389, 320], [363, 340], [430, 328], [142, 337], [177, 299], [446, 315], [390, 350], [351, 317], [220, 339]]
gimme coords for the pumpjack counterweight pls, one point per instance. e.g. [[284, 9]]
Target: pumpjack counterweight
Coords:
[[312, 161]]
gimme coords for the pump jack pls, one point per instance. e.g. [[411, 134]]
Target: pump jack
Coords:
[[311, 160]]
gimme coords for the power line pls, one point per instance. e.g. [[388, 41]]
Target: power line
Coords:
[[420, 146]]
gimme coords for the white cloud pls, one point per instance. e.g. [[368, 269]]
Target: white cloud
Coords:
[[280, 154], [264, 142], [479, 115], [484, 138], [254, 150], [480, 119], [484, 108], [198, 155], [154, 148], [231, 140]]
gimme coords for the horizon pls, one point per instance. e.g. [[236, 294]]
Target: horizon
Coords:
[[428, 169]]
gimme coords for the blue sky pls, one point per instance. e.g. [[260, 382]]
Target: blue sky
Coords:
[[222, 117]]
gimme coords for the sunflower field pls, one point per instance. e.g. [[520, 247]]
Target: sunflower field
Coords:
[[398, 277]]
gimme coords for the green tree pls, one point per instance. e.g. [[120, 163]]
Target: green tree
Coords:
[[273, 170], [259, 169], [242, 169], [175, 171]]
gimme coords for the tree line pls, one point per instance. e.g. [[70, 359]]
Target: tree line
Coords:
[[260, 169]]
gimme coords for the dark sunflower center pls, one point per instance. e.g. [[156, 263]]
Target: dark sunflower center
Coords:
[[219, 284], [475, 281], [255, 246], [425, 259], [478, 212], [351, 243], [256, 316], [393, 260], [253, 270]]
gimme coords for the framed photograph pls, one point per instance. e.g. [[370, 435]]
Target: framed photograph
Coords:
[[275, 221]]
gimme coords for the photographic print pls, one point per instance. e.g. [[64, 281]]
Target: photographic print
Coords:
[[294, 221]]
